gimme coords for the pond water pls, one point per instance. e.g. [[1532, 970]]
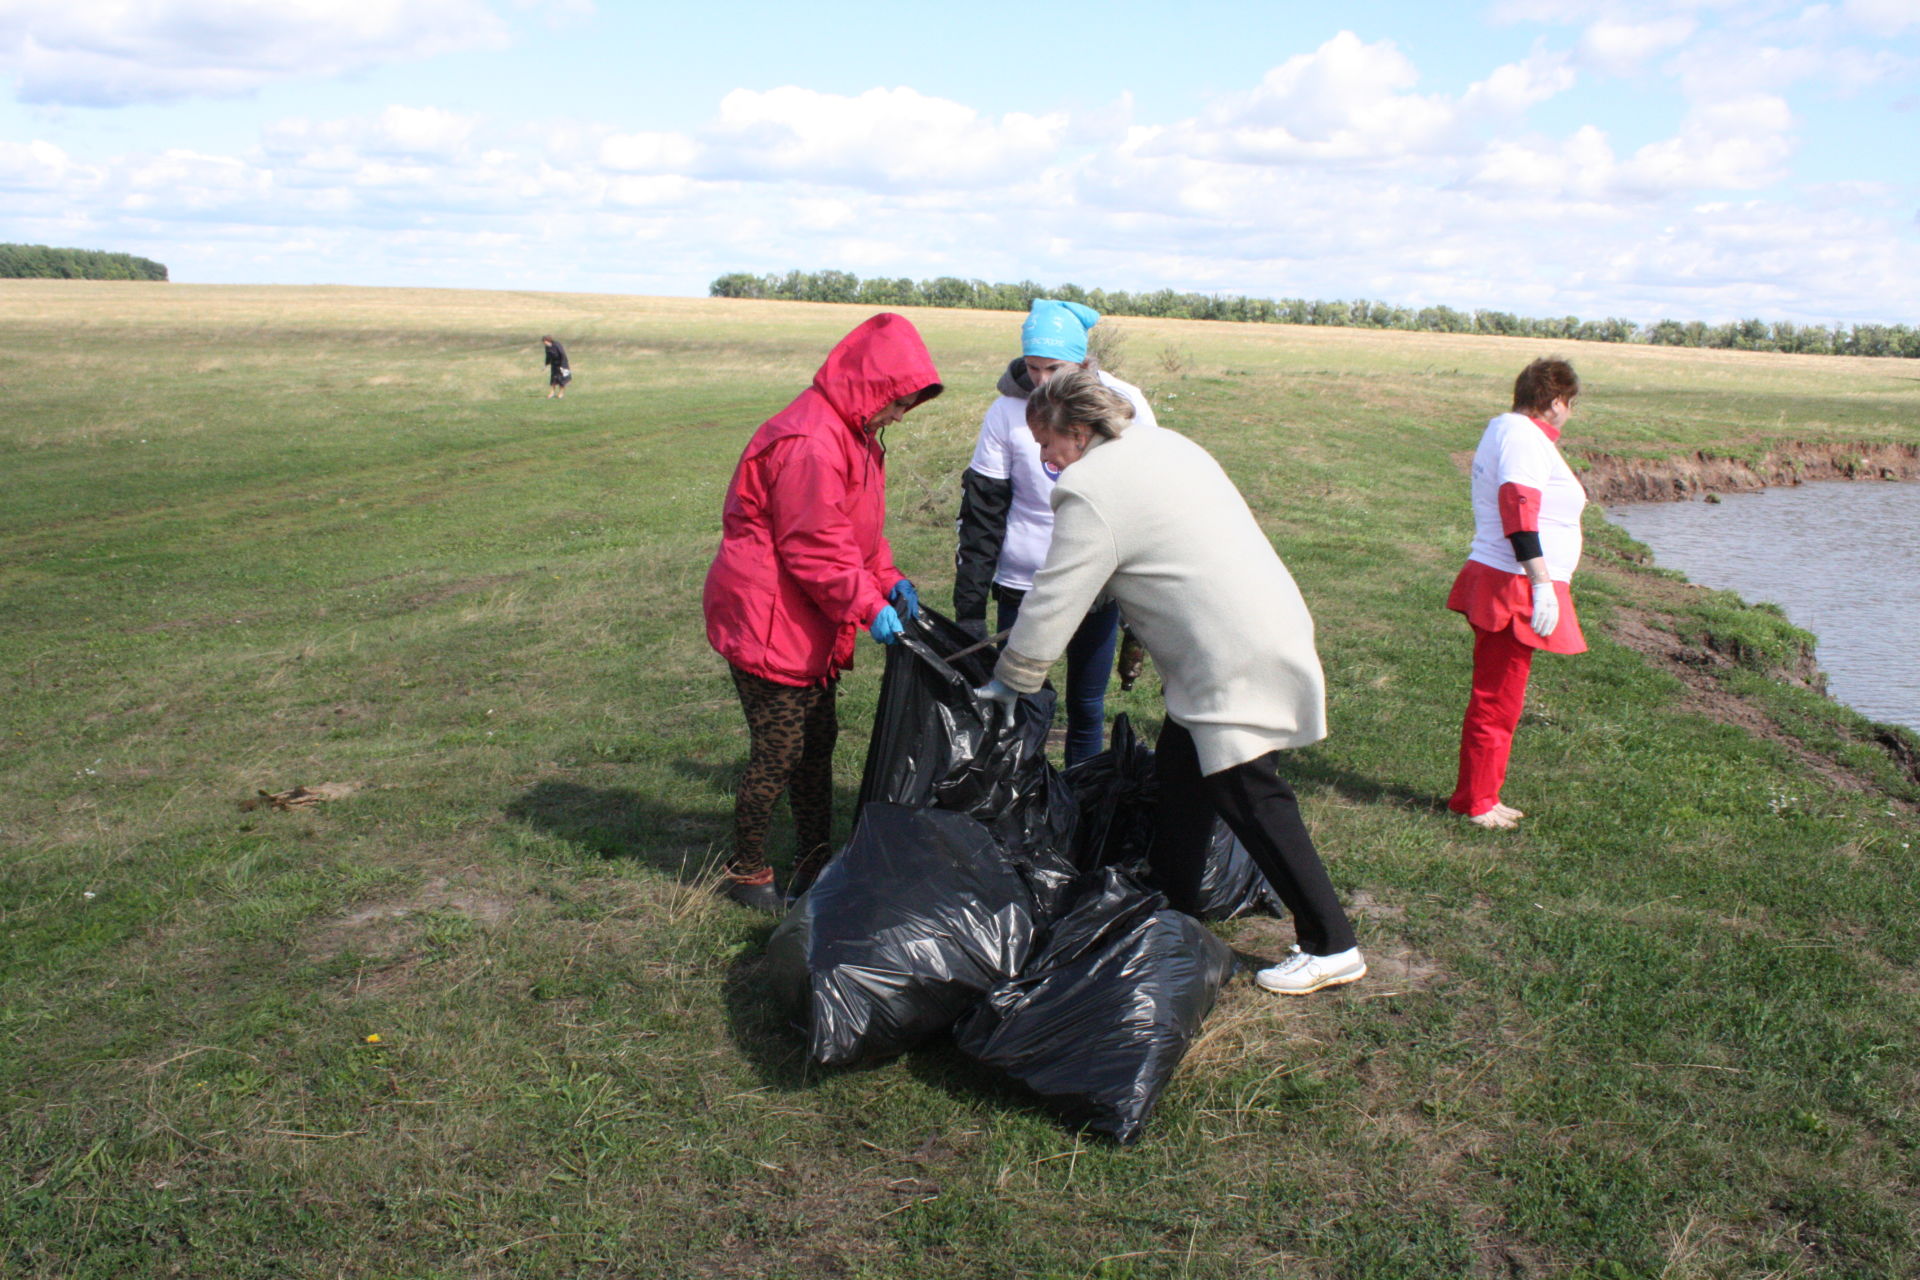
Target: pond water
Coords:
[[1843, 560]]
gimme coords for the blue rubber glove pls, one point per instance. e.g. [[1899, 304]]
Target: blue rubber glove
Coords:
[[886, 625], [994, 691], [905, 599]]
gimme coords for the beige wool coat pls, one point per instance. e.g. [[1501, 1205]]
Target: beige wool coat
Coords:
[[1151, 519]]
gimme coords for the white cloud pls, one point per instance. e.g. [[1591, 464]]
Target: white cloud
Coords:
[[187, 184], [114, 52], [1551, 11], [41, 166], [1344, 101], [824, 213], [559, 12], [1740, 143], [893, 136], [1582, 165], [397, 133], [1718, 48], [650, 152], [1513, 88], [1882, 17], [651, 191], [1351, 103], [1334, 175], [1618, 48], [424, 130]]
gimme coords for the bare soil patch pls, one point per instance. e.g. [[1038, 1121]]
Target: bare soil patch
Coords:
[[387, 927], [1610, 479]]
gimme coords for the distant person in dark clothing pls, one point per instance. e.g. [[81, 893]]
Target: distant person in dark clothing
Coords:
[[559, 372]]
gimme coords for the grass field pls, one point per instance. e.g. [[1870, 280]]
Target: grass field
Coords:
[[479, 1016]]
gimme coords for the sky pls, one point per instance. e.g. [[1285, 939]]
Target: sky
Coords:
[[1687, 159]]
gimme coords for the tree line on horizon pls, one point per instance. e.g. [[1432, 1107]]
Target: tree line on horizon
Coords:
[[950, 291], [44, 262]]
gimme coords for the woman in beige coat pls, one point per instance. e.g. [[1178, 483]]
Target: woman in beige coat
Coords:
[[1152, 521]]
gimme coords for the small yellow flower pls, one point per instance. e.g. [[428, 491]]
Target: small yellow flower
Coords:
[[374, 1038]]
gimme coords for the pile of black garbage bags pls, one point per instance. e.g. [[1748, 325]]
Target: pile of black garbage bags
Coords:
[[986, 895]]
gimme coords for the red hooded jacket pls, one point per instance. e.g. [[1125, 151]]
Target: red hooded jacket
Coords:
[[804, 561]]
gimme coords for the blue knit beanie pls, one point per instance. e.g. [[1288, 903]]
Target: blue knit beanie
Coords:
[[1057, 330]]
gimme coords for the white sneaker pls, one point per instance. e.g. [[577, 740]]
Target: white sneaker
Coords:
[[1301, 974]]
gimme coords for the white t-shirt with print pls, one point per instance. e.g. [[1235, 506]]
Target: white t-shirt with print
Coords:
[[1514, 450]]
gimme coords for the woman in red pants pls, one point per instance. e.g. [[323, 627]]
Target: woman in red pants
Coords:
[[1514, 586]]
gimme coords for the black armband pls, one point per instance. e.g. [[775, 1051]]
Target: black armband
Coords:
[[1526, 545]]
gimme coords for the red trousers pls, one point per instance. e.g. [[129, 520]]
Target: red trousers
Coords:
[[1500, 667]]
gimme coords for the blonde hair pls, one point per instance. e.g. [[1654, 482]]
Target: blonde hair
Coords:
[[1077, 398]]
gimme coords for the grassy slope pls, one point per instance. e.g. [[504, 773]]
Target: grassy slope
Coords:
[[254, 538]]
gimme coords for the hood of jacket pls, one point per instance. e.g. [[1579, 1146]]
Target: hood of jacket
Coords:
[[1015, 382], [881, 361]]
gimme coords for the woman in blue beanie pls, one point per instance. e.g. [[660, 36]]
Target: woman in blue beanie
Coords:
[[1006, 512]]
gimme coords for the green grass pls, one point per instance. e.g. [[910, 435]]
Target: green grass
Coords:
[[259, 538]]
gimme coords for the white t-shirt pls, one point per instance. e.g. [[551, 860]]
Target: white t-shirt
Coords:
[[1514, 450], [1006, 450]]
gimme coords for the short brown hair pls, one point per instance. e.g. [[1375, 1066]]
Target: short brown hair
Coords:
[[1076, 397], [1543, 382]]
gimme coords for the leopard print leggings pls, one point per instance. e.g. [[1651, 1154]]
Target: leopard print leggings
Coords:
[[790, 734]]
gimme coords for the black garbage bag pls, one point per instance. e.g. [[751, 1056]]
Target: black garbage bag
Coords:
[[919, 916], [1116, 793], [1233, 885], [935, 744], [1101, 1016]]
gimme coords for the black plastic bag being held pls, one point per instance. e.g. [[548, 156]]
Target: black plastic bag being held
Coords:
[[1104, 1012], [1116, 791], [902, 933], [934, 743], [1232, 885]]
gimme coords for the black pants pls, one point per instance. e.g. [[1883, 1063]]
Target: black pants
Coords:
[[1263, 811]]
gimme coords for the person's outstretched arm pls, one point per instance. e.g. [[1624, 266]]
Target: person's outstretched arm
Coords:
[[1080, 563]]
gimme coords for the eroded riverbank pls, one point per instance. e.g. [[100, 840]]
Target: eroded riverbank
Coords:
[[1611, 479]]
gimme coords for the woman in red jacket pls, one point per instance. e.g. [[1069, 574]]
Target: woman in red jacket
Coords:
[[803, 565]]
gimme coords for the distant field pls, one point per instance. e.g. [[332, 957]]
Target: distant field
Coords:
[[255, 538]]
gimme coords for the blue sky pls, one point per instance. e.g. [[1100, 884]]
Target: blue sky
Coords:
[[1708, 160]]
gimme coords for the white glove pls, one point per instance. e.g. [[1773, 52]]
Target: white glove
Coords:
[[994, 691], [1546, 608]]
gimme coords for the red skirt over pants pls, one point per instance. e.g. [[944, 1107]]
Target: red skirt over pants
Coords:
[[1499, 607]]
